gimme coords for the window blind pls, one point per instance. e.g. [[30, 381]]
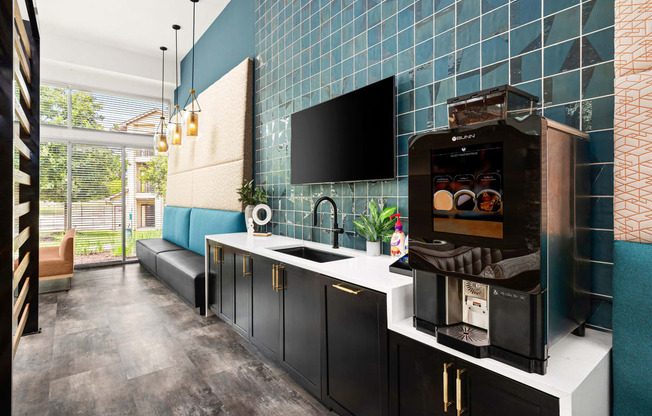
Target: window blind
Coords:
[[92, 110], [53, 193], [97, 203], [54, 105]]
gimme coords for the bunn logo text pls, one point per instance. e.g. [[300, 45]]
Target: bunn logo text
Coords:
[[466, 136]]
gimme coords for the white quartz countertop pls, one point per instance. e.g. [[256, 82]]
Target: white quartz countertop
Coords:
[[362, 270]]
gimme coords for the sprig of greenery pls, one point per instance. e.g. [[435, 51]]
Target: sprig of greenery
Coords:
[[376, 226], [250, 195]]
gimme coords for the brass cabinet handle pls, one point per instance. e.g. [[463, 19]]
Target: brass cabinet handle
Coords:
[[446, 402], [244, 264], [274, 277], [217, 254], [458, 392], [278, 285], [346, 289]]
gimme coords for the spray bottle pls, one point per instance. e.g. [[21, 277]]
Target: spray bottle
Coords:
[[397, 245]]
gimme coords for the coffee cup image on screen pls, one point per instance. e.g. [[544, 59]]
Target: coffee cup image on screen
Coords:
[[489, 201], [467, 190], [443, 201], [464, 200]]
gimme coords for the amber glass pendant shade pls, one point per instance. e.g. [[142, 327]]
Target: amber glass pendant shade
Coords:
[[176, 133], [161, 142], [192, 124]]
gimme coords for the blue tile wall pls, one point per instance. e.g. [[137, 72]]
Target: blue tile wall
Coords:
[[311, 51]]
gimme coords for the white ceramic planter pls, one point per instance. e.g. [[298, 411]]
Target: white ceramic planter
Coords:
[[373, 248]]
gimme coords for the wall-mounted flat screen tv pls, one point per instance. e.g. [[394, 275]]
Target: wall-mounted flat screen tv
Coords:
[[349, 138]]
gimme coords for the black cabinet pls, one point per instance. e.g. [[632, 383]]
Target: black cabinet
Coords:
[[265, 306], [226, 280], [355, 377], [242, 293], [216, 270], [422, 377], [301, 326]]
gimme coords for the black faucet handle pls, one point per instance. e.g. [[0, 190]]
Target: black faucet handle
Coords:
[[338, 230]]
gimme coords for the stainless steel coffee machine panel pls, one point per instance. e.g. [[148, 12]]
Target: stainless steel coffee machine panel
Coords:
[[499, 214]]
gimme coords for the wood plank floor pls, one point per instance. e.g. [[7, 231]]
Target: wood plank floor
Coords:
[[120, 343]]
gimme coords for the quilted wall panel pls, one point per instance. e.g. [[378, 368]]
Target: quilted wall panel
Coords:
[[204, 172]]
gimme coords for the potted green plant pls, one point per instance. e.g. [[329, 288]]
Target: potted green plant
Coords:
[[376, 227], [251, 196]]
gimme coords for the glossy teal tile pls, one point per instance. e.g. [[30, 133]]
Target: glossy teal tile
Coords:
[[388, 27], [468, 83], [374, 16], [597, 14], [602, 212], [389, 47], [598, 80], [424, 75], [442, 4], [374, 55], [568, 114], [602, 146], [404, 82], [445, 20], [441, 116], [423, 52], [525, 39], [467, 10], [405, 102], [561, 57], [406, 123], [423, 119], [561, 26], [496, 49], [424, 97], [424, 30], [445, 43], [423, 9], [495, 75], [406, 39], [388, 8], [602, 278], [598, 47], [561, 88], [488, 5], [405, 18], [495, 22], [526, 67], [445, 67], [405, 60], [444, 90], [373, 36], [553, 6], [602, 245], [468, 33], [468, 59], [602, 179], [524, 11], [598, 114]]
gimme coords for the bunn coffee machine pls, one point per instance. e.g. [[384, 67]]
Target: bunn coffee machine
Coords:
[[499, 212]]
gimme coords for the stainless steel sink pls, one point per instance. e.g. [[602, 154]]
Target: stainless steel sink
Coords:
[[311, 254]]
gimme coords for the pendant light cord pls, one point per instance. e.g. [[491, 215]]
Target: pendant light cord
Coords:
[[192, 83], [176, 67]]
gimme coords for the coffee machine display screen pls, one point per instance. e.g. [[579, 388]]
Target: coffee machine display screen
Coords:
[[467, 190]]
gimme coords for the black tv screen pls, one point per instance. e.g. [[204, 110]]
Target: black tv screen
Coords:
[[349, 138]]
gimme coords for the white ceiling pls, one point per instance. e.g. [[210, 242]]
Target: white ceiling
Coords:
[[138, 26]]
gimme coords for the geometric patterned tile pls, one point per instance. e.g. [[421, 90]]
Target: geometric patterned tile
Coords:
[[633, 158], [633, 37]]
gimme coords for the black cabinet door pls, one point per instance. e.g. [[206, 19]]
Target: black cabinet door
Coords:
[[356, 349], [242, 295], [485, 393], [421, 379], [265, 307], [214, 271], [225, 281], [301, 327]]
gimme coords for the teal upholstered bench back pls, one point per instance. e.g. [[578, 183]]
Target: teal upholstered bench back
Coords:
[[176, 223], [204, 222], [188, 227]]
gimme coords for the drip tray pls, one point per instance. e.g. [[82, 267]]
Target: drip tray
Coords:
[[466, 338]]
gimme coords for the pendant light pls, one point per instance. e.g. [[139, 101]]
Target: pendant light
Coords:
[[192, 118], [175, 131], [160, 138]]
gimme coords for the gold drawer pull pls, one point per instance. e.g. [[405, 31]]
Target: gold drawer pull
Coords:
[[346, 289], [446, 402], [274, 271], [278, 285], [244, 264], [217, 254], [458, 392]]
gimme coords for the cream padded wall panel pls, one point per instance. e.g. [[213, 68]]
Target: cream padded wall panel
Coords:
[[179, 192], [214, 186], [222, 119], [204, 172]]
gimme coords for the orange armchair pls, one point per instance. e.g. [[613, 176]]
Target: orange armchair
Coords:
[[56, 264]]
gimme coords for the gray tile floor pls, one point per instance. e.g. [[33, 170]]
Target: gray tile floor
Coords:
[[120, 343]]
